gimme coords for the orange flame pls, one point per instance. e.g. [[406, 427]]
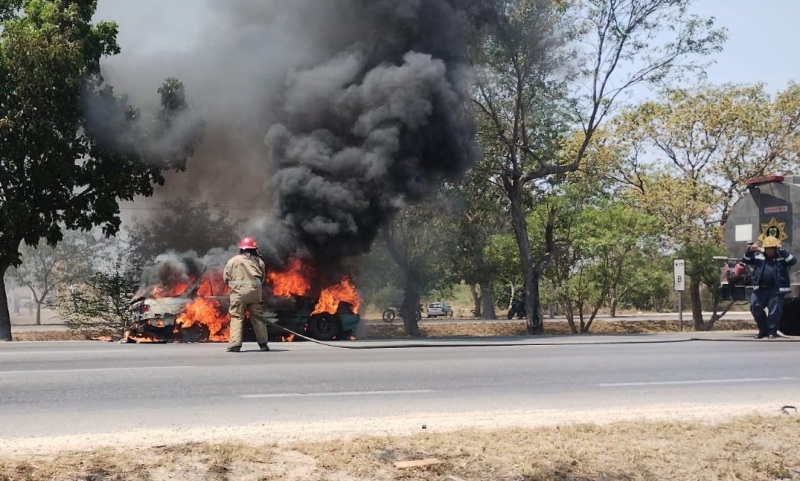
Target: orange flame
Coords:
[[342, 292], [213, 285], [206, 311], [289, 338], [291, 282], [170, 291]]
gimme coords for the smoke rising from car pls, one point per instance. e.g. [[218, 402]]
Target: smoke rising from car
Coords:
[[174, 268], [379, 122], [322, 118]]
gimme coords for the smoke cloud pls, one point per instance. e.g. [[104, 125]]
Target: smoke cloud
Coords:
[[174, 268], [322, 118]]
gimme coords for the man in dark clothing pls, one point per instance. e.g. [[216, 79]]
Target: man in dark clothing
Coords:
[[770, 283]]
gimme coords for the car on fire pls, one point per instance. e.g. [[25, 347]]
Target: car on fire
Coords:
[[182, 314]]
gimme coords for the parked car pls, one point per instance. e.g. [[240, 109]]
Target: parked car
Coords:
[[439, 309]]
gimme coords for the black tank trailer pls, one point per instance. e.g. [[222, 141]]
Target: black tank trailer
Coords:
[[770, 207]]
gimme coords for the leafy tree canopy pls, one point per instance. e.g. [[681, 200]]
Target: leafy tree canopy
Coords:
[[70, 149]]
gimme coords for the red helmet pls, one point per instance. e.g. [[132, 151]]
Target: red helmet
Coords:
[[248, 243]]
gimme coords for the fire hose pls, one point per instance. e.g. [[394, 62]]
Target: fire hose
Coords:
[[270, 322]]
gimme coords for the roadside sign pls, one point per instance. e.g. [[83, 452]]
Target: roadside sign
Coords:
[[680, 277]]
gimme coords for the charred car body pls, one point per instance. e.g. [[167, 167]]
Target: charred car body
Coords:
[[198, 313], [769, 208]]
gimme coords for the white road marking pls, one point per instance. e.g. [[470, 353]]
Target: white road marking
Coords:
[[700, 381], [40, 353], [343, 393], [99, 369]]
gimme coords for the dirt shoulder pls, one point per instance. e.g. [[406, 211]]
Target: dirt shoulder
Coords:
[[752, 442]]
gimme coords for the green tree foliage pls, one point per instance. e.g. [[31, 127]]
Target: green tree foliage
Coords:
[[602, 238], [182, 225], [522, 98], [46, 269], [689, 155], [98, 305], [69, 149], [502, 252], [477, 208]]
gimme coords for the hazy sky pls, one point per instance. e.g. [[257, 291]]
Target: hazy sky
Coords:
[[762, 44]]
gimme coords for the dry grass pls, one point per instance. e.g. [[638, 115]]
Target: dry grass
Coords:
[[517, 328], [750, 448]]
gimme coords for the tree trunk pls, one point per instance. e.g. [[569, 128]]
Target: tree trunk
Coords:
[[476, 300], [697, 307], [488, 301], [613, 302], [535, 323], [533, 320], [5, 316], [410, 310]]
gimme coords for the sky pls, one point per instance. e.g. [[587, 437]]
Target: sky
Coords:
[[763, 38], [762, 43]]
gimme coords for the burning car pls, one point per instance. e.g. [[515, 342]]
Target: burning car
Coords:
[[196, 310]]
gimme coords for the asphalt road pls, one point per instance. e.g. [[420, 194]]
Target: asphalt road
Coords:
[[49, 389]]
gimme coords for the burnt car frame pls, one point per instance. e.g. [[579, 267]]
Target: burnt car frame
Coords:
[[155, 318]]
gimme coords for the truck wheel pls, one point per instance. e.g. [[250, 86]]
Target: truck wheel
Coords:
[[324, 327]]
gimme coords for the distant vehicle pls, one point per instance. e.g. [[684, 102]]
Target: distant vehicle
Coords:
[[439, 309], [389, 314]]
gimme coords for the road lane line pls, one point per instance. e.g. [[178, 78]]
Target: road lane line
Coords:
[[39, 353], [99, 369], [343, 393], [700, 381]]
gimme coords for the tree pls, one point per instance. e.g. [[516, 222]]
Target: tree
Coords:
[[690, 153], [181, 225], [522, 93], [71, 150], [417, 240], [477, 208], [98, 305], [601, 239], [45, 269]]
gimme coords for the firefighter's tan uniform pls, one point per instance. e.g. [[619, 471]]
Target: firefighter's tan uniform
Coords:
[[244, 274]]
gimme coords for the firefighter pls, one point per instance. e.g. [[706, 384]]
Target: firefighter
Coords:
[[244, 275], [770, 283]]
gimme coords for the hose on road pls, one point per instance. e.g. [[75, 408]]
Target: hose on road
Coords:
[[272, 323]]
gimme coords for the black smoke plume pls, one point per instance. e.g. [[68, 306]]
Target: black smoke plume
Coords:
[[379, 121], [322, 117]]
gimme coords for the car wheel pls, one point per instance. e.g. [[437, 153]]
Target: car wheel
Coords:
[[324, 327]]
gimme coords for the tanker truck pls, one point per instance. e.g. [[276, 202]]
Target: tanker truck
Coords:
[[768, 208]]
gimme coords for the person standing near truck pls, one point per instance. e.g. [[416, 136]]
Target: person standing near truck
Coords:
[[770, 283], [244, 275]]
